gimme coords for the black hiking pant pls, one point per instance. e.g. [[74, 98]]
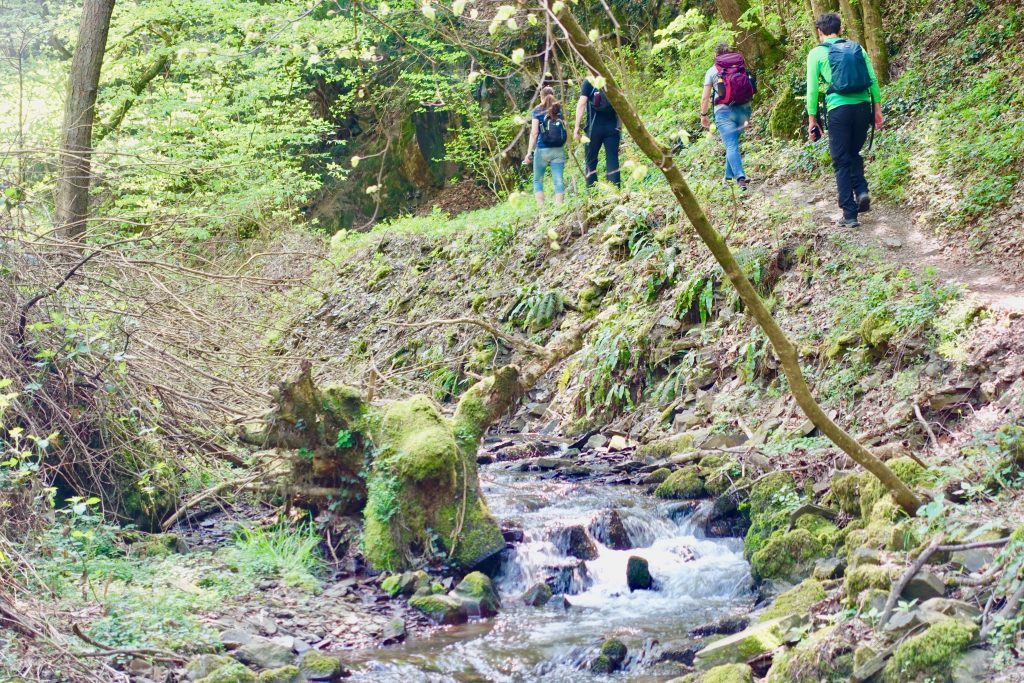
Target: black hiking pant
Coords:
[[608, 135], [847, 130]]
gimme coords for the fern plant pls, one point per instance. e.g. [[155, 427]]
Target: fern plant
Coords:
[[699, 291], [536, 310]]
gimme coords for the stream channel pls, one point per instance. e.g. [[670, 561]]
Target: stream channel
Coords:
[[698, 580]]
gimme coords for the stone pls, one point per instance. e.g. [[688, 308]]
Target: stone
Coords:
[[638, 574], [264, 653], [747, 644], [235, 672], [722, 627], [609, 529], [796, 600], [618, 443], [317, 666], [575, 542], [394, 631], [685, 421], [829, 568], [973, 666], [974, 560], [596, 441], [234, 638], [204, 665], [904, 622], [441, 609], [284, 674], [728, 673], [613, 653], [684, 483], [932, 654], [477, 595], [865, 556], [571, 577], [537, 595], [892, 243], [923, 586], [934, 609]]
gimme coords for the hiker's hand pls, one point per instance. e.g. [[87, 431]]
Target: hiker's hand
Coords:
[[528, 159], [812, 123], [705, 122], [879, 120], [577, 135]]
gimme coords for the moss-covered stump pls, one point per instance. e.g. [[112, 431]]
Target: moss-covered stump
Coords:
[[932, 654], [682, 484], [423, 493], [796, 600]]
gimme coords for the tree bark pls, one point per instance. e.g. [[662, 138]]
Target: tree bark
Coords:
[[784, 349], [755, 42], [853, 25], [874, 38], [72, 196], [816, 8]]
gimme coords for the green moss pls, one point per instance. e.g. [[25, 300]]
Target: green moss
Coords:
[[931, 655], [907, 469], [315, 664], [685, 483], [868, 576], [419, 440], [718, 472], [614, 649], [657, 476], [786, 555], [235, 672], [441, 609], [877, 330], [846, 492], [824, 657], [392, 585], [664, 448], [727, 673], [826, 532], [284, 674], [769, 504], [796, 600], [601, 665], [745, 645]]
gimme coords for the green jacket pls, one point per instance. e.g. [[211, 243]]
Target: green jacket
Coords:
[[818, 70]]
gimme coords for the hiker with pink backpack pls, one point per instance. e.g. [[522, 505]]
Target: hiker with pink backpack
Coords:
[[730, 88]]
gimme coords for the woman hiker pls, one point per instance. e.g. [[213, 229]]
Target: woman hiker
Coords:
[[547, 145], [730, 88]]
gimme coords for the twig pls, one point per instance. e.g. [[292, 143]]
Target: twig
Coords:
[[927, 428], [898, 587], [1009, 610], [142, 652], [206, 495], [513, 340]]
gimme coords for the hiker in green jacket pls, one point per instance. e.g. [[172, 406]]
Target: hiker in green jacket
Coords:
[[852, 104]]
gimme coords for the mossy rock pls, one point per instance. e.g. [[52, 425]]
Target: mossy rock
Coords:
[[235, 672], [888, 528], [613, 653], [745, 645], [932, 654], [284, 674], [907, 469], [665, 448], [203, 665], [826, 532], [657, 476], [478, 595], [601, 665], [719, 473], [846, 492], [727, 673], [682, 484], [786, 120], [877, 331], [796, 600], [406, 583], [769, 505], [441, 609], [787, 555], [314, 664], [826, 656], [867, 576]]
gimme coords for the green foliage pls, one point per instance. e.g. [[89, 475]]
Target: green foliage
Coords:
[[617, 369], [288, 552], [697, 297], [536, 310]]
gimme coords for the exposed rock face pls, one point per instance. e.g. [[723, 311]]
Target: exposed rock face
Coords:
[[575, 542], [745, 645], [608, 528], [537, 595], [441, 609], [638, 574]]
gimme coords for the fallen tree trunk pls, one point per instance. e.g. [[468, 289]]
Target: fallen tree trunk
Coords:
[[784, 349]]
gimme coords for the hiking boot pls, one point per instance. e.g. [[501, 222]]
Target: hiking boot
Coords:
[[863, 202], [847, 222], [743, 182]]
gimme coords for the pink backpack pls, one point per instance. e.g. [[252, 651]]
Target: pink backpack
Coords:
[[734, 84]]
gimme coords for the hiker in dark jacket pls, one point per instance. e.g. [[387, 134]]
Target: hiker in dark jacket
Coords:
[[730, 88], [852, 104], [547, 145], [603, 130]]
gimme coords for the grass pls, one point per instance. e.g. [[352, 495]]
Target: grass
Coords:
[[290, 553]]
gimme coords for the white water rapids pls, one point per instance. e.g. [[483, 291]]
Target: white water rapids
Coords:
[[698, 580]]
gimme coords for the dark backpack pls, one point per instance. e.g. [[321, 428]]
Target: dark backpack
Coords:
[[849, 68], [599, 101], [552, 131], [734, 85]]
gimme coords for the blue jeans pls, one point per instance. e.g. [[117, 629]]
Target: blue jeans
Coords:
[[730, 122], [553, 157]]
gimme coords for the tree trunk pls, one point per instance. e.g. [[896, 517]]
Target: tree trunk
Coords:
[[853, 25], [783, 347], [756, 44], [874, 39], [816, 8], [72, 197]]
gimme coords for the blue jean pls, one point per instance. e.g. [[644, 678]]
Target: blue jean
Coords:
[[553, 157], [730, 122]]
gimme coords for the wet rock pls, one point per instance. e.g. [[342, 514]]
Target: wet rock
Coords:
[[656, 476], [747, 644], [234, 638], [570, 578], [726, 519], [608, 528], [512, 534], [477, 595], [683, 483], [575, 542], [441, 609], [613, 653], [394, 631], [537, 595], [596, 441], [204, 665], [316, 666], [923, 586], [681, 652], [638, 574], [722, 627], [406, 583], [264, 653]]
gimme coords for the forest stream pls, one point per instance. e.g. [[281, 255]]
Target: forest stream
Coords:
[[698, 580]]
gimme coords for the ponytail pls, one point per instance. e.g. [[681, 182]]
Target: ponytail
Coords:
[[552, 107]]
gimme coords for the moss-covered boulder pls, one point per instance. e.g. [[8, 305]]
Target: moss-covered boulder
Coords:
[[827, 533], [771, 500], [317, 666], [787, 555], [423, 489], [866, 576], [719, 473], [796, 600], [907, 469], [685, 483], [284, 674], [477, 595], [638, 574], [824, 657], [932, 654], [846, 492], [441, 609], [745, 645], [406, 583], [234, 672], [657, 476], [727, 673], [665, 448], [204, 665], [537, 595], [613, 653]]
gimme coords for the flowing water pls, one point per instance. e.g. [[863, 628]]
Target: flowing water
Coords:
[[699, 580]]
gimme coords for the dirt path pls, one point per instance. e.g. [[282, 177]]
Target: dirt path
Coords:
[[900, 240]]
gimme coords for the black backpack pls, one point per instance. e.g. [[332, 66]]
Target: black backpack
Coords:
[[849, 68], [599, 101], [552, 131]]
